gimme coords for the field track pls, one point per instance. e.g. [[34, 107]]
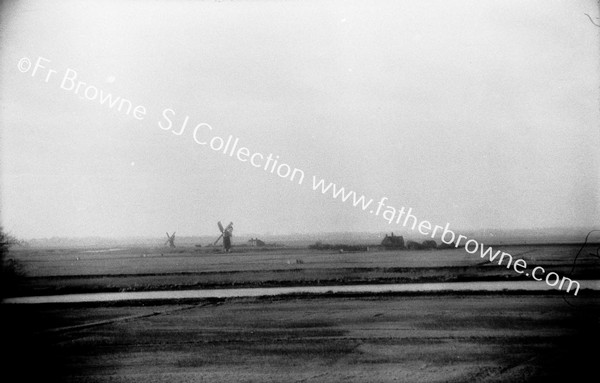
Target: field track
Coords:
[[484, 338]]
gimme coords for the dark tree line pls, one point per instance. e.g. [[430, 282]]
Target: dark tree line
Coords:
[[8, 267]]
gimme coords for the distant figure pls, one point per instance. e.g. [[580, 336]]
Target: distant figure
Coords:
[[227, 233]]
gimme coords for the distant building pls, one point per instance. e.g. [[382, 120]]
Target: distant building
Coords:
[[393, 242], [255, 242]]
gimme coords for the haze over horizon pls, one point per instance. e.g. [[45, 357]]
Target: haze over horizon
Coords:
[[574, 233], [480, 115]]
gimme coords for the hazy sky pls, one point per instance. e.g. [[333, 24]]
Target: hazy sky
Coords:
[[479, 114]]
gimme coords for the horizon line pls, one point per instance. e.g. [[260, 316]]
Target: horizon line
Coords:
[[572, 230]]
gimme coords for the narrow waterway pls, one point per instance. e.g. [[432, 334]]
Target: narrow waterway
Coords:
[[276, 291]]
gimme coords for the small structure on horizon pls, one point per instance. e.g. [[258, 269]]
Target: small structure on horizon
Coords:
[[170, 240], [393, 241], [226, 234], [255, 242]]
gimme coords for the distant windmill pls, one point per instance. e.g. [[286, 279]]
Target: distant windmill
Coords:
[[226, 234], [170, 240]]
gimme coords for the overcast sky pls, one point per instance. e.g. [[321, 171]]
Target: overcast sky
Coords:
[[479, 114]]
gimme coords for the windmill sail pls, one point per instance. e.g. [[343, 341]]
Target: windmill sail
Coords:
[[227, 229], [170, 240]]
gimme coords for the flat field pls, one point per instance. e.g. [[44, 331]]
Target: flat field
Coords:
[[431, 338], [504, 337], [55, 271]]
